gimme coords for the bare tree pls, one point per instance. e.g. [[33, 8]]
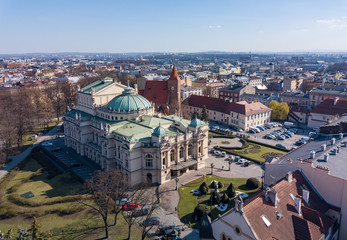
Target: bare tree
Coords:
[[105, 188], [145, 202], [100, 188]]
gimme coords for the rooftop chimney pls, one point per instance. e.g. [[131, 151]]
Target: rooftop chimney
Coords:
[[332, 141], [297, 205], [305, 196], [289, 176], [272, 194], [335, 100]]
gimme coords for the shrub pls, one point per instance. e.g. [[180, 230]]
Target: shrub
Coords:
[[220, 184], [231, 191], [213, 184], [199, 211], [215, 198], [225, 198], [231, 187], [253, 183], [203, 188]]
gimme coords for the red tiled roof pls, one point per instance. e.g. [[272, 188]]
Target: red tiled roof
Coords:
[[215, 104], [220, 105], [312, 224], [327, 107], [174, 74], [156, 91]]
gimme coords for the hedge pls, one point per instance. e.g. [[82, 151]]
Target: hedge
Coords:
[[253, 183]]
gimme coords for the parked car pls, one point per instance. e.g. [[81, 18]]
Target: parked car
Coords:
[[247, 163], [212, 150], [151, 221], [281, 137], [122, 201], [164, 229], [141, 211], [46, 144], [293, 130], [281, 145], [130, 206], [223, 154]]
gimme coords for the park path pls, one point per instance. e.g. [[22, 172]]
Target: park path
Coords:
[[20, 157]]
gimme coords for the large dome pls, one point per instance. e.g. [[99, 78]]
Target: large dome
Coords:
[[129, 101]]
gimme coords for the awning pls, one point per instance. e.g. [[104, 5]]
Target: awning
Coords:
[[182, 165]]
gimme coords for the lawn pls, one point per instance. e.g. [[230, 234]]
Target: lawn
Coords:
[[188, 201], [66, 220], [255, 152]]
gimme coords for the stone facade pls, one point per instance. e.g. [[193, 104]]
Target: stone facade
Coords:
[[147, 147]]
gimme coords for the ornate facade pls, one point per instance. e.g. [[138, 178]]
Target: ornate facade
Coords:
[[125, 133]]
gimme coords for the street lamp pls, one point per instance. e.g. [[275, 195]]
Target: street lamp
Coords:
[[229, 164], [176, 179], [212, 166]]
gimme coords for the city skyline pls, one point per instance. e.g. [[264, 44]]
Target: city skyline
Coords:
[[154, 26]]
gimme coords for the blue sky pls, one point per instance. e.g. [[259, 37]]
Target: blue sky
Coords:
[[172, 26]]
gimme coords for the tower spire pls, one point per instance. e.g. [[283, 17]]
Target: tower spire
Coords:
[[174, 74]]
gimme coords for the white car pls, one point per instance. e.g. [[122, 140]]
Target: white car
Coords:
[[46, 144]]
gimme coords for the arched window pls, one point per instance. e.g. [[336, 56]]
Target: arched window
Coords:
[[190, 149], [149, 160], [181, 152], [172, 155]]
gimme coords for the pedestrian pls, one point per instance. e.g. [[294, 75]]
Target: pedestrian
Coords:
[[175, 209]]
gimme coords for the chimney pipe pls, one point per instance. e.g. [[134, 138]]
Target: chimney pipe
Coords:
[[306, 196], [297, 205]]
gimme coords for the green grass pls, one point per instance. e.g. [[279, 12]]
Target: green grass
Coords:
[[188, 201], [251, 150], [255, 152], [59, 219]]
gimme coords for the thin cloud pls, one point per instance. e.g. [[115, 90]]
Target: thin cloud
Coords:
[[327, 21], [338, 26], [214, 26]]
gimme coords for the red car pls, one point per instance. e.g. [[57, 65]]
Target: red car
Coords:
[[130, 206]]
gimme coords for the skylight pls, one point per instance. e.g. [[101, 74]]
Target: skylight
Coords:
[[266, 221]]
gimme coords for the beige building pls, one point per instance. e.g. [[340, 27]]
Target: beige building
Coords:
[[240, 115], [119, 129]]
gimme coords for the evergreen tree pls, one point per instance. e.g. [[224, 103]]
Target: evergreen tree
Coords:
[[204, 114], [35, 230]]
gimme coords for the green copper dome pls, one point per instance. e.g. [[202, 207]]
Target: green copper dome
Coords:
[[129, 101], [159, 131], [195, 123]]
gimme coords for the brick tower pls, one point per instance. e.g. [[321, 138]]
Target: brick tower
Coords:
[[174, 89]]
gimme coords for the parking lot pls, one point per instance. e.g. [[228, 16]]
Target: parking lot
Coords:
[[289, 143]]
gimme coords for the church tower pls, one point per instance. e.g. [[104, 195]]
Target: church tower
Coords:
[[174, 89]]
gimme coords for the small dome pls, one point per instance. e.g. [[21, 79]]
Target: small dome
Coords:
[[129, 101], [159, 131], [195, 123]]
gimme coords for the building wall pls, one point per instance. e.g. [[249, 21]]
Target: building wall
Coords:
[[110, 150], [317, 119], [226, 225]]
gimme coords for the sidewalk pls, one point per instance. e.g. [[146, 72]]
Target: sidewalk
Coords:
[[19, 158]]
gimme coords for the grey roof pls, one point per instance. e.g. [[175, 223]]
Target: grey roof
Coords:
[[337, 163], [206, 231]]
